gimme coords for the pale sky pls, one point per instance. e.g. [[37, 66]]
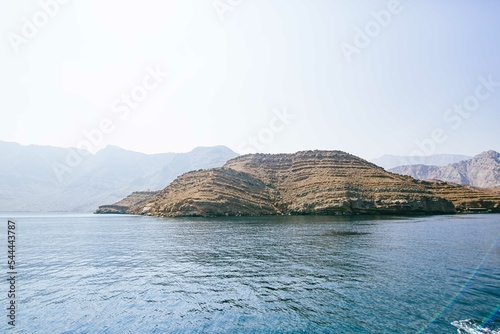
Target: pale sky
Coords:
[[367, 77]]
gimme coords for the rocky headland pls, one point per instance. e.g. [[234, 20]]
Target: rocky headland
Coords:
[[309, 182], [137, 198]]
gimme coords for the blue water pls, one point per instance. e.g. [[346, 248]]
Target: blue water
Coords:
[[133, 274]]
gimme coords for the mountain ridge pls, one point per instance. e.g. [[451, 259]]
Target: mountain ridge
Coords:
[[389, 161], [482, 170], [28, 182]]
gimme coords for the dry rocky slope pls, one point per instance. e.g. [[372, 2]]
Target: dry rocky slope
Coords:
[[483, 170], [309, 182]]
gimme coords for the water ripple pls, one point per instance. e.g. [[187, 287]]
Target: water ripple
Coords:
[[126, 274]]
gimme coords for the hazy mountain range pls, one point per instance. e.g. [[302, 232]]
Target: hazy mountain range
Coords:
[[389, 161], [483, 170], [44, 178]]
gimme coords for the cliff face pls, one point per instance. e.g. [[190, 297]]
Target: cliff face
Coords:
[[466, 198], [311, 182], [481, 171]]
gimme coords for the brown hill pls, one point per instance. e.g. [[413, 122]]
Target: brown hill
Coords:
[[310, 182]]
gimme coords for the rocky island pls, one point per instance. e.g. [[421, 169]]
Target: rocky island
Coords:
[[308, 182]]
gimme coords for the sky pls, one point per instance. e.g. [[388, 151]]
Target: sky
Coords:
[[368, 77]]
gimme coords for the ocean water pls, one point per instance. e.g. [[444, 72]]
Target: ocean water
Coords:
[[133, 274]]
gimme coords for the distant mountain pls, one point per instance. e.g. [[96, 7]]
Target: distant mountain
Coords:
[[390, 161], [309, 182], [483, 171], [44, 178]]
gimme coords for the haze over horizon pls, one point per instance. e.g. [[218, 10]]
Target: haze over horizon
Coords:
[[366, 77], [417, 161]]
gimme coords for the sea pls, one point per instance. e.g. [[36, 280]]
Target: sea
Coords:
[[85, 273]]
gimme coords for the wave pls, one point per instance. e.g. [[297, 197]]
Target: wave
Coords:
[[469, 327]]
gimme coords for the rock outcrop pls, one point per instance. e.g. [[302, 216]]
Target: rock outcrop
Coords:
[[482, 171]]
